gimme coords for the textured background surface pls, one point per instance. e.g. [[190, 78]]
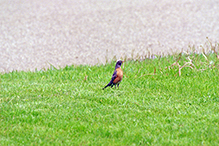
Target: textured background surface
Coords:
[[36, 33]]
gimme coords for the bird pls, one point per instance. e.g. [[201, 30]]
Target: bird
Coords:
[[117, 75]]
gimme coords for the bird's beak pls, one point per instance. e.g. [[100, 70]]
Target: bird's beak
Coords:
[[123, 61]]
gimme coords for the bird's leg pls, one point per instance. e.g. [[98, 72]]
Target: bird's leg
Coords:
[[118, 86]]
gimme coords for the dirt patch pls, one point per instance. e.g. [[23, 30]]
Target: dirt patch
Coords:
[[35, 34]]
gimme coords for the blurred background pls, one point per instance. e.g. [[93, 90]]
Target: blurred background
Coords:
[[35, 34]]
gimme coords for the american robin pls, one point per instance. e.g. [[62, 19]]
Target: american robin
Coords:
[[117, 75]]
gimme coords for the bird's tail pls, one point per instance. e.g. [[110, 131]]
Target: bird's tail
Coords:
[[109, 84], [105, 86]]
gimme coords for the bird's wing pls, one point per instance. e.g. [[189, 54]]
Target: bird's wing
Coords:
[[114, 76], [112, 79]]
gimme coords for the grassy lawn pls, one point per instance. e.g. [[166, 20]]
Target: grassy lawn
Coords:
[[155, 105]]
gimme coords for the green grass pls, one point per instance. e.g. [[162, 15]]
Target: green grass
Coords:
[[153, 106]]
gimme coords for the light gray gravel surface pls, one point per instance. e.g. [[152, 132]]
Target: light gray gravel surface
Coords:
[[37, 33]]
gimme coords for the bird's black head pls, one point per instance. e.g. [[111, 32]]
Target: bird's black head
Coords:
[[118, 64]]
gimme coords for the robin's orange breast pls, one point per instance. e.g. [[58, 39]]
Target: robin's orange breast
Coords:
[[119, 76]]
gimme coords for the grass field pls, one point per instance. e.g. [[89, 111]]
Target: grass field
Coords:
[[155, 104]]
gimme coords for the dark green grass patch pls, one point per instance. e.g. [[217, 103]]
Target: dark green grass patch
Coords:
[[153, 106]]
